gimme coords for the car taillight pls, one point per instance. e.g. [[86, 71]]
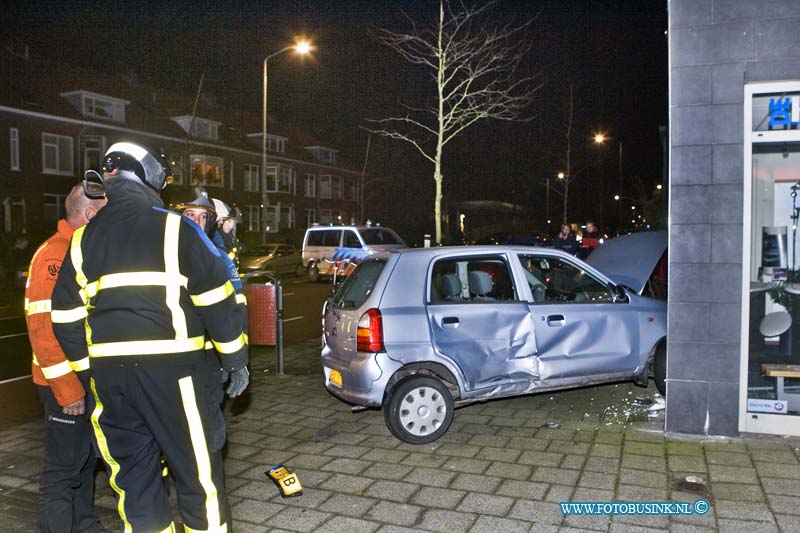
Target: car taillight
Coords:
[[370, 332]]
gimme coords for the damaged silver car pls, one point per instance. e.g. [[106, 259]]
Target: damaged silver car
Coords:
[[419, 332]]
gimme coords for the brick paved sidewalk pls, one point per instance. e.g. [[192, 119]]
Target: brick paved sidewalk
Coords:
[[503, 467]]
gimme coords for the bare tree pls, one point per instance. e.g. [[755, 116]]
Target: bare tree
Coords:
[[475, 73]]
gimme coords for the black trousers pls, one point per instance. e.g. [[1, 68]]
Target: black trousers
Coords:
[[66, 484], [158, 405]]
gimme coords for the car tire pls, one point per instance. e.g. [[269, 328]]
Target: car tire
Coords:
[[313, 273], [299, 270], [418, 410], [660, 368]]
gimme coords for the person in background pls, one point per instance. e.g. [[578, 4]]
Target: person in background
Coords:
[[66, 484], [592, 238], [225, 236], [565, 240]]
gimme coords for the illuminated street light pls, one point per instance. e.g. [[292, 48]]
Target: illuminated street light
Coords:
[[659, 187], [302, 47], [601, 138], [561, 175]]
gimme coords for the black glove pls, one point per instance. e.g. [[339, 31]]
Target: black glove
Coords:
[[239, 381]]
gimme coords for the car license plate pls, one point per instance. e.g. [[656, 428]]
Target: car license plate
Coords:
[[336, 378]]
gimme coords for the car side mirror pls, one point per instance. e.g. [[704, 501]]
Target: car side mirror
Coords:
[[618, 294]]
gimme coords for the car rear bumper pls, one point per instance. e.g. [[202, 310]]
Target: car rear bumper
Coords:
[[363, 377]]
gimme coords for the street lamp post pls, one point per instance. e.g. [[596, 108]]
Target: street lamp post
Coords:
[[601, 138], [301, 47]]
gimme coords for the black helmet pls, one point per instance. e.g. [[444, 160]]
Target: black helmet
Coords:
[[128, 160], [236, 215], [199, 199]]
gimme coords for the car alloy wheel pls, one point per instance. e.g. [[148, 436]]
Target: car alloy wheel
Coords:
[[419, 410]]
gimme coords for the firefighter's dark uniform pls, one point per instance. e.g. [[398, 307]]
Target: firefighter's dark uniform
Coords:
[[137, 291]]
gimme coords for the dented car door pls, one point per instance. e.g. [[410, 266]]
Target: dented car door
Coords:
[[581, 331]]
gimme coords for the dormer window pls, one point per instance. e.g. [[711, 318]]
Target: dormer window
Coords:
[[275, 143], [325, 155], [97, 105], [201, 128]]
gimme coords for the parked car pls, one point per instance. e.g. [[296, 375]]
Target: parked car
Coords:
[[338, 249], [418, 332], [280, 258]]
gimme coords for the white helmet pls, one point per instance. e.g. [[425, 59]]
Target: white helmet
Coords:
[[222, 209]]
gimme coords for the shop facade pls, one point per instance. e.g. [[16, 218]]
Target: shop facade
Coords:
[[734, 299]]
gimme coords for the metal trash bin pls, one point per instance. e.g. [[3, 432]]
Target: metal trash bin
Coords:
[[264, 293]]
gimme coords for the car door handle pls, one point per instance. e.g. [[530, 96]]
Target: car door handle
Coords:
[[450, 321], [555, 320]]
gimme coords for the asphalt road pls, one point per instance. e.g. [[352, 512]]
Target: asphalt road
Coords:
[[302, 312]]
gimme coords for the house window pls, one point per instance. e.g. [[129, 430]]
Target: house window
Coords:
[[13, 135], [95, 106], [276, 144], [286, 220], [324, 187], [252, 217], [325, 216], [54, 207], [251, 178], [176, 163], [14, 215], [347, 189], [280, 178], [310, 185], [93, 150], [336, 186], [205, 129], [57, 155], [310, 216], [207, 170]]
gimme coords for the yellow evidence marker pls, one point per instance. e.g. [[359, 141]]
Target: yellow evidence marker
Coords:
[[287, 482]]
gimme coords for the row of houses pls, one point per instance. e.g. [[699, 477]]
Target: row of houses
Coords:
[[57, 122]]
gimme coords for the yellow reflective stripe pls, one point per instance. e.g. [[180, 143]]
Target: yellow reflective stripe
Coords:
[[232, 346], [57, 370], [213, 296], [134, 279], [172, 268], [76, 255], [67, 316], [111, 349], [198, 438], [80, 365], [209, 345], [241, 299], [113, 465], [39, 306], [223, 528]]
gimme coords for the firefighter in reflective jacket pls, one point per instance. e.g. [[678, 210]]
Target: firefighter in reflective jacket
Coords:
[[66, 484], [138, 290], [202, 210]]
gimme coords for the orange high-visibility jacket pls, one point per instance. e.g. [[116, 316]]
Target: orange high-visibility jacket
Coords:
[[50, 365]]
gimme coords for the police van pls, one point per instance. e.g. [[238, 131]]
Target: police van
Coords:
[[338, 249]]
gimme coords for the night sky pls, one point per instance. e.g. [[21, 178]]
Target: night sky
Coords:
[[614, 52]]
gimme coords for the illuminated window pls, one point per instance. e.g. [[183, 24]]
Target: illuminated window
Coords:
[[207, 170], [97, 105], [57, 155]]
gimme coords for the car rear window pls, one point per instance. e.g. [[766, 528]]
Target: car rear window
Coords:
[[379, 236], [358, 286]]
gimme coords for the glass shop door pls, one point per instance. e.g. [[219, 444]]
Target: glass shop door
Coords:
[[770, 368]]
